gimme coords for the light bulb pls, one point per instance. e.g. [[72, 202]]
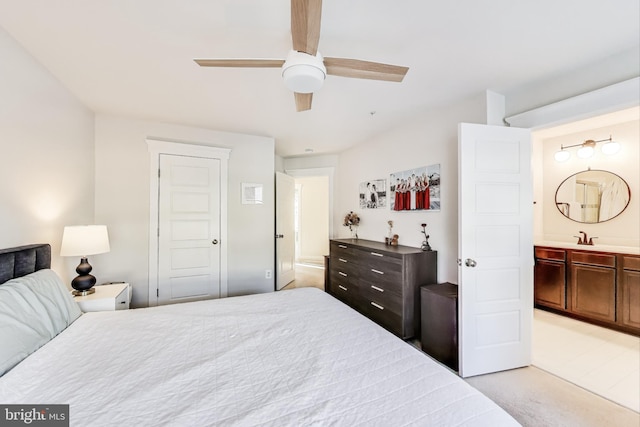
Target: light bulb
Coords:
[[610, 147], [562, 156], [585, 152]]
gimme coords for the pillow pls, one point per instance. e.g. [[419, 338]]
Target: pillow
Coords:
[[33, 309]]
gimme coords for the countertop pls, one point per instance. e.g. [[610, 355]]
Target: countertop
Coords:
[[633, 250]]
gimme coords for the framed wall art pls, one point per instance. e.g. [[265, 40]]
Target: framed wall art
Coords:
[[415, 189], [373, 194]]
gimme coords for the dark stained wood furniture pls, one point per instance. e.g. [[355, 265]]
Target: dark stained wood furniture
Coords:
[[598, 287], [382, 282], [439, 322]]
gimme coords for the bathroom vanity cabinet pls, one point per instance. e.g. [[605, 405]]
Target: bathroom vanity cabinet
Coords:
[[598, 287]]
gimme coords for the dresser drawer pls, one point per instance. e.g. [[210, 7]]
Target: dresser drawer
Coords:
[[391, 301], [343, 288], [343, 261], [345, 253], [380, 314], [390, 280], [122, 300]]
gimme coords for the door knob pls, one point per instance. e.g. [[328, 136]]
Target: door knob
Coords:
[[214, 241], [470, 263]]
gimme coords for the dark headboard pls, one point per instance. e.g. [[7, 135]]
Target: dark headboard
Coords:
[[23, 260]]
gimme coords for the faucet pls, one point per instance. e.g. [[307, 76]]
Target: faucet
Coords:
[[584, 240]]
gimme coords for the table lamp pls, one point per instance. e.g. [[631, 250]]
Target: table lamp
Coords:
[[83, 240]]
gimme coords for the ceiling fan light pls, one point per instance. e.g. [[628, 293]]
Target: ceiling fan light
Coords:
[[303, 73], [562, 156], [302, 78], [611, 147]]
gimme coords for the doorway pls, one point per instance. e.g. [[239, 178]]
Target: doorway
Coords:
[[312, 225], [597, 359], [211, 167]]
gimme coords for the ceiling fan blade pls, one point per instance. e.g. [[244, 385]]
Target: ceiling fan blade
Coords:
[[244, 63], [364, 69], [303, 101], [305, 25]]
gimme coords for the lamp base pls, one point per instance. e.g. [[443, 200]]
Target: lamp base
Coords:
[[83, 293], [83, 283]]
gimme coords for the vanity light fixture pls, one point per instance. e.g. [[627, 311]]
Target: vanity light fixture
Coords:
[[587, 149]]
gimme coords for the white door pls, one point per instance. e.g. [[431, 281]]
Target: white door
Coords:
[[285, 238], [189, 229], [495, 244]]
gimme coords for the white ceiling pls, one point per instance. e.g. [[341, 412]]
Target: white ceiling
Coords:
[[135, 57]]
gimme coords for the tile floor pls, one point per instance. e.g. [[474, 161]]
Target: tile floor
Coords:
[[600, 360]]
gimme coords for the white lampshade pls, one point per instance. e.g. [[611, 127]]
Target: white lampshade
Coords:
[[611, 147], [562, 156], [83, 240]]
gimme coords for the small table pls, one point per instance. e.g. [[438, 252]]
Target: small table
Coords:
[[114, 296]]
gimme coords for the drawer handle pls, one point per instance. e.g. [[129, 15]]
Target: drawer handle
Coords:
[[342, 246], [342, 287], [377, 271], [342, 274], [377, 305], [376, 254], [123, 302], [342, 260], [377, 288]]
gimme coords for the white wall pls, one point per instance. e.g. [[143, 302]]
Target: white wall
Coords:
[[429, 137], [46, 156], [624, 230], [314, 219], [122, 201]]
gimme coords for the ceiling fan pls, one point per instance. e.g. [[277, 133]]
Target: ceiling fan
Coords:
[[305, 68]]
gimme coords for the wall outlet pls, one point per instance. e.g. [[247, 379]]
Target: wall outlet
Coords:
[[267, 274]]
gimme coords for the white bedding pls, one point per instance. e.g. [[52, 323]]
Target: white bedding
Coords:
[[294, 358]]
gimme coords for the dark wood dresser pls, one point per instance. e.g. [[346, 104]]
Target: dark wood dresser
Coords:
[[382, 282]]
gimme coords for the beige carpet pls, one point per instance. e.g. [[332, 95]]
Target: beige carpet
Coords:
[[536, 398], [532, 396]]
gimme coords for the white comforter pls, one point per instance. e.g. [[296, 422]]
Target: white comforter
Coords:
[[288, 358]]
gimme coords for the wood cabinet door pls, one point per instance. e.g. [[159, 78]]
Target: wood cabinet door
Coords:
[[630, 299], [593, 292], [550, 284]]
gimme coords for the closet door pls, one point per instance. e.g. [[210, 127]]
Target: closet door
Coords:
[[189, 229]]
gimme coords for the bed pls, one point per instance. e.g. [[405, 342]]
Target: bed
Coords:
[[296, 357]]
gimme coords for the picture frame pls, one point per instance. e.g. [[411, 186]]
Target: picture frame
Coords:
[[373, 194], [415, 189], [252, 193]]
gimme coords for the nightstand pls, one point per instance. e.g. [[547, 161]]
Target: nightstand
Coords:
[[114, 296]]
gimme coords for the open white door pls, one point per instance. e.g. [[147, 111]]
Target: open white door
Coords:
[[495, 244], [285, 229]]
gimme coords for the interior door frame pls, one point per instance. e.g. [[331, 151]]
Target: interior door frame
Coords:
[[328, 172], [156, 148]]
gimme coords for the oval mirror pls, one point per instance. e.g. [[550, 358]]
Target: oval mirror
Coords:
[[592, 196]]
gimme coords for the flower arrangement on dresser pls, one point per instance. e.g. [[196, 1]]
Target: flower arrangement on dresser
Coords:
[[352, 220]]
